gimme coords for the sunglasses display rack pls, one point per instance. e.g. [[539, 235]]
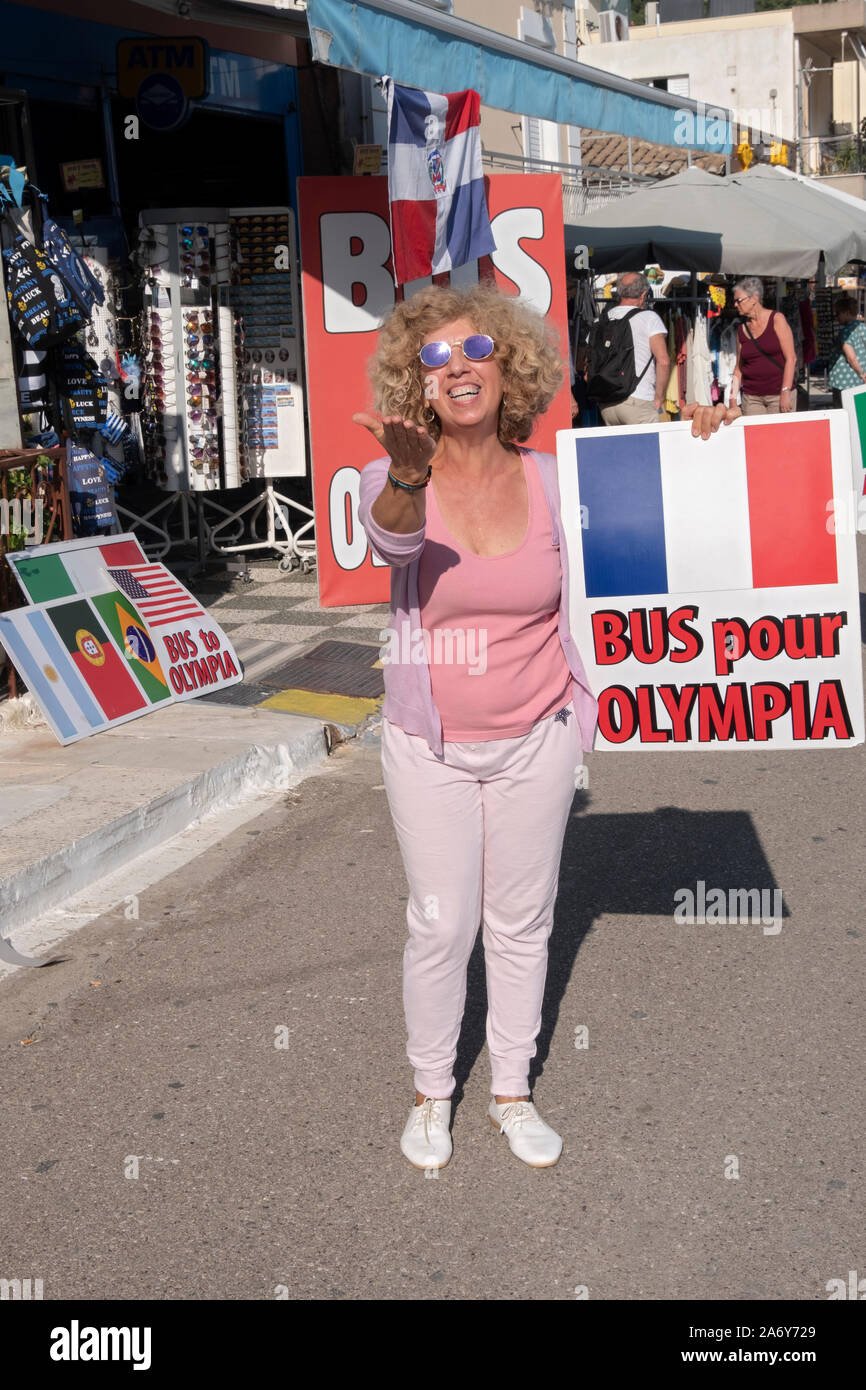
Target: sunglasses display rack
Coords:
[[264, 294], [189, 389], [222, 390], [264, 299]]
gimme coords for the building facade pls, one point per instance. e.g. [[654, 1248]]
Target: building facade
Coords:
[[796, 76]]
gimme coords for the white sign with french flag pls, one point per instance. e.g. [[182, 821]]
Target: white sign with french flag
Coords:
[[713, 600], [438, 209]]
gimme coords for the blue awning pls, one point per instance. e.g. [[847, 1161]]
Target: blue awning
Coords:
[[421, 47]]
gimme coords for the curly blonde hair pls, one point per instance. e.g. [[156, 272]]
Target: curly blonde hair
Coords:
[[527, 351]]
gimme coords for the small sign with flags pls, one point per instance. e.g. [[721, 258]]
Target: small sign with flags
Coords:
[[435, 181], [108, 635]]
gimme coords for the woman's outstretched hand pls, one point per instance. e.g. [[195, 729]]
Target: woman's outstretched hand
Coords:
[[409, 445], [707, 418]]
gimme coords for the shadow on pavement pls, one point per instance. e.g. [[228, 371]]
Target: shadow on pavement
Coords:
[[628, 864]]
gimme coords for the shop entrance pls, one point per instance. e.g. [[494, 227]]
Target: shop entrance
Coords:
[[217, 159]]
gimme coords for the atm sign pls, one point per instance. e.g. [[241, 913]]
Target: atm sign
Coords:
[[183, 59]]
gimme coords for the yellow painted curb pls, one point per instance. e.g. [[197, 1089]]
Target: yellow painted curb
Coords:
[[338, 709]]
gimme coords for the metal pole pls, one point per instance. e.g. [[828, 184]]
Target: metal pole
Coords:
[[798, 80], [859, 134], [110, 153]]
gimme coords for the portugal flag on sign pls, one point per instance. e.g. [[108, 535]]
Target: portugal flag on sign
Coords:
[[93, 654], [133, 639]]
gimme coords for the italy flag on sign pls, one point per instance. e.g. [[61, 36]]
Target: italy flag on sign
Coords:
[[65, 568], [133, 639]]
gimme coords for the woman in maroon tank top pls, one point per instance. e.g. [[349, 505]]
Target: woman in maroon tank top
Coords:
[[766, 356]]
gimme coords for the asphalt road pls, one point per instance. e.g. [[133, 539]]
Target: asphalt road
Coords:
[[713, 1050]]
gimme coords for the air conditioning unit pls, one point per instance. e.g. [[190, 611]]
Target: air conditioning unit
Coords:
[[613, 27]]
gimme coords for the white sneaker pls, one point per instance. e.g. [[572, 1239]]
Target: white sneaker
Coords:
[[426, 1141], [529, 1138]]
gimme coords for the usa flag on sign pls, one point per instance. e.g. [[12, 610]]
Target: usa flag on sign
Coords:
[[159, 597], [435, 182]]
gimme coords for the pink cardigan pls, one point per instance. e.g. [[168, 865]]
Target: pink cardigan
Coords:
[[408, 693]]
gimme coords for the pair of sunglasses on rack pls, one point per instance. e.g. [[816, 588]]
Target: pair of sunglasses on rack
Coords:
[[476, 348]]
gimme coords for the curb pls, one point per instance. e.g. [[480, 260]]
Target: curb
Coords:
[[48, 882]]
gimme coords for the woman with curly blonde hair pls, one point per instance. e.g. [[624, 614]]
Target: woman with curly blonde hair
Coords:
[[487, 708]]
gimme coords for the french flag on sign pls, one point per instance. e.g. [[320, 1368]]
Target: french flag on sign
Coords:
[[662, 520], [435, 182]]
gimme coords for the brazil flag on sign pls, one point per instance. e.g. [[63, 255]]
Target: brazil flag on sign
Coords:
[[131, 635]]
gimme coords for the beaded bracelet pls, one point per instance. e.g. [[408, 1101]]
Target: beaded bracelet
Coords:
[[411, 487]]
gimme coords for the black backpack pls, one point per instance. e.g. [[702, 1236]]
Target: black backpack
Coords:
[[611, 370]]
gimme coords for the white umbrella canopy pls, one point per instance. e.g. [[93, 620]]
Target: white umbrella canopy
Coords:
[[744, 224], [802, 197]]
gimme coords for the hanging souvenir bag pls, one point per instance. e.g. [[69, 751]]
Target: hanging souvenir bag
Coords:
[[51, 238], [41, 306], [82, 388], [91, 495]]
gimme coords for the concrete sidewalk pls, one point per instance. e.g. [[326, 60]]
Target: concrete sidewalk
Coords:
[[70, 815]]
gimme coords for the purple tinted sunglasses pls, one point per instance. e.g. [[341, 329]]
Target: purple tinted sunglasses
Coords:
[[476, 348]]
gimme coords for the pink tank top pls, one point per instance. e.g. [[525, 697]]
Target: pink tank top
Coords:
[[491, 627]]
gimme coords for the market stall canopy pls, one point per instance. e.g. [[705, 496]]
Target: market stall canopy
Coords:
[[762, 222], [419, 46]]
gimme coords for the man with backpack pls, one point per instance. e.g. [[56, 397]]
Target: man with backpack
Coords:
[[628, 357]]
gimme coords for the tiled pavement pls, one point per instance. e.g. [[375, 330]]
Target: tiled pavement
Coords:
[[275, 619], [284, 608]]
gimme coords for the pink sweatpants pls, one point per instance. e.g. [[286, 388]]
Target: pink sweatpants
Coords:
[[480, 831]]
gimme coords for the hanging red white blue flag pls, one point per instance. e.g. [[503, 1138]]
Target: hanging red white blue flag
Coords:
[[435, 181]]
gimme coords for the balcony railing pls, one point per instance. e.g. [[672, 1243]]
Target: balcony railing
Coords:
[[584, 187], [833, 154]]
